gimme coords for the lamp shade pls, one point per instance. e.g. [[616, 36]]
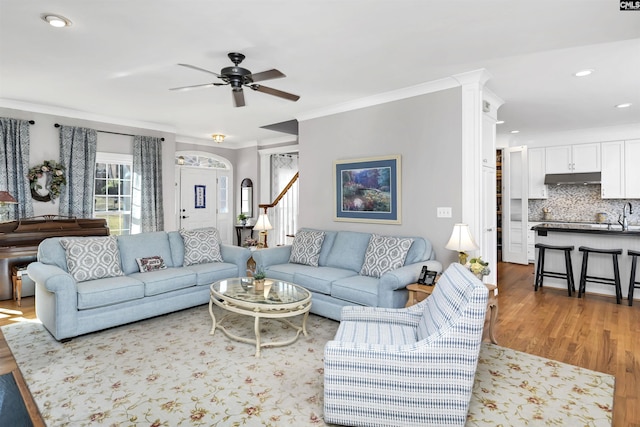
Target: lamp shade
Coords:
[[263, 223], [461, 239], [7, 198]]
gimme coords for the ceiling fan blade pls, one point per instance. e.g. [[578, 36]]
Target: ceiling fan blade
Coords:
[[238, 97], [199, 69], [194, 86], [275, 92], [267, 75]]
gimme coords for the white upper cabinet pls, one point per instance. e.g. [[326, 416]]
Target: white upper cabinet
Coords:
[[613, 170], [573, 158], [632, 169], [537, 189]]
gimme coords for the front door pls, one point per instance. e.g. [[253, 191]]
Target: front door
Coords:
[[198, 198]]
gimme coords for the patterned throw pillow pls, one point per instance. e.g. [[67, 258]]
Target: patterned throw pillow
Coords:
[[151, 263], [201, 246], [385, 254], [92, 257], [306, 247]]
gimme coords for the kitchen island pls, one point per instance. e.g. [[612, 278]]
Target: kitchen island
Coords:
[[602, 236]]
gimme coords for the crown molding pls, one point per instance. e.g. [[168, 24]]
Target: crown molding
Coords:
[[382, 98], [83, 115]]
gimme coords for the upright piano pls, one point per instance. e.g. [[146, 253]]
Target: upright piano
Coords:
[[19, 241]]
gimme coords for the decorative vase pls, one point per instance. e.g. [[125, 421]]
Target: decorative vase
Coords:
[[258, 284]]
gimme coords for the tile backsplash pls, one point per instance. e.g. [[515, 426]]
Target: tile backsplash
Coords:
[[580, 203]]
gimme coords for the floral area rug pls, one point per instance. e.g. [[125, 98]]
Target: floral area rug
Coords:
[[168, 371]]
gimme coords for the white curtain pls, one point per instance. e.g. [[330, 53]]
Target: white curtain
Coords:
[[14, 159], [284, 217], [78, 155]]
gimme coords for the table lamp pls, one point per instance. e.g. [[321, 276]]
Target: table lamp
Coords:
[[263, 225], [461, 240], [6, 199]]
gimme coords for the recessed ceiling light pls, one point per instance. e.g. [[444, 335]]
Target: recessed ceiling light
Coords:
[[583, 73], [515, 131], [499, 122], [56, 21], [625, 105]]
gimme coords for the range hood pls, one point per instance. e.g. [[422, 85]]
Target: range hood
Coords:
[[585, 178]]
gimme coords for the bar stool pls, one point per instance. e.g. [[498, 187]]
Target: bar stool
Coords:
[[632, 278], [584, 278], [541, 273]]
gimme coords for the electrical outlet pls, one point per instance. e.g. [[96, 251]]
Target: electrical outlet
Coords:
[[443, 212]]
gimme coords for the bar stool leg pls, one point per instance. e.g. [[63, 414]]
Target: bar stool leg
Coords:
[[616, 277], [539, 270], [583, 274], [569, 268], [632, 279]]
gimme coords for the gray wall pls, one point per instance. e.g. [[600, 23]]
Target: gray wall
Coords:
[[425, 130]]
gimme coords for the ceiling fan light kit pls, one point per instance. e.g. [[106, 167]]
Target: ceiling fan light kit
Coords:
[[238, 77]]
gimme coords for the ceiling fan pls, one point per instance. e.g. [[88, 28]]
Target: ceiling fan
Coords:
[[238, 77]]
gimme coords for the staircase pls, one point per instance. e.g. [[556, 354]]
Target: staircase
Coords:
[[283, 214]]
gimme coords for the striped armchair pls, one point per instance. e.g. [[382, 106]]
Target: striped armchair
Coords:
[[407, 367]]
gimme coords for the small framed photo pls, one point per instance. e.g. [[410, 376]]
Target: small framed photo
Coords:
[[427, 277]]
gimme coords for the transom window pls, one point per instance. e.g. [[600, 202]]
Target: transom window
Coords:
[[112, 191]]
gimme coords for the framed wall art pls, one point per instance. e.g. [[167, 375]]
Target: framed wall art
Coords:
[[368, 189], [200, 197]]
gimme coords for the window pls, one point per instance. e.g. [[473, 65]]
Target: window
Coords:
[[112, 191]]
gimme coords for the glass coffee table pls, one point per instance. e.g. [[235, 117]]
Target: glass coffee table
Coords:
[[275, 299]]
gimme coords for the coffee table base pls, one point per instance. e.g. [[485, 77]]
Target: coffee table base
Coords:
[[280, 315]]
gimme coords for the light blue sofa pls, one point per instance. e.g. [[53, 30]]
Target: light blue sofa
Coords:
[[68, 308], [337, 282]]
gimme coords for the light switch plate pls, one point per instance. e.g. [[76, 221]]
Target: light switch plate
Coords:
[[443, 212]]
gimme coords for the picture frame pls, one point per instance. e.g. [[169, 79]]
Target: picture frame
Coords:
[[427, 277], [368, 190], [200, 201]]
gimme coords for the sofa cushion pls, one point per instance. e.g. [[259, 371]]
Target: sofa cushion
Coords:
[[143, 245], [108, 291], [361, 290], [151, 263], [319, 279], [201, 246], [306, 247], [90, 258], [385, 253], [348, 250], [211, 272], [161, 281]]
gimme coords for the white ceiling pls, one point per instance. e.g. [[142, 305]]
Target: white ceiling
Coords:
[[119, 58]]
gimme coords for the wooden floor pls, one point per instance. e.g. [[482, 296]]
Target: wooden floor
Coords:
[[592, 332]]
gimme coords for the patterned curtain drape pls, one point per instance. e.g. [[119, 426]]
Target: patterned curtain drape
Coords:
[[148, 212], [78, 156], [14, 158]]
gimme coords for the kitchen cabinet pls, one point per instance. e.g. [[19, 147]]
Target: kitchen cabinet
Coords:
[[632, 169], [613, 170], [537, 169], [620, 172], [573, 158]]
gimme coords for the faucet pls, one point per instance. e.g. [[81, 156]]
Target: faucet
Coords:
[[625, 223]]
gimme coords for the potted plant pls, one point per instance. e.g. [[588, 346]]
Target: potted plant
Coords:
[[258, 279], [242, 219], [479, 267]]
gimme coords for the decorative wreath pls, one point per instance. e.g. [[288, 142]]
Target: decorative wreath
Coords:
[[54, 172]]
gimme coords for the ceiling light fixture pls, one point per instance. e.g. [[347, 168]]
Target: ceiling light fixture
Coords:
[[583, 73], [499, 122], [625, 105], [57, 21], [515, 131], [218, 137]]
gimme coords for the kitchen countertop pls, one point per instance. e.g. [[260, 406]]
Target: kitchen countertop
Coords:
[[586, 228]]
